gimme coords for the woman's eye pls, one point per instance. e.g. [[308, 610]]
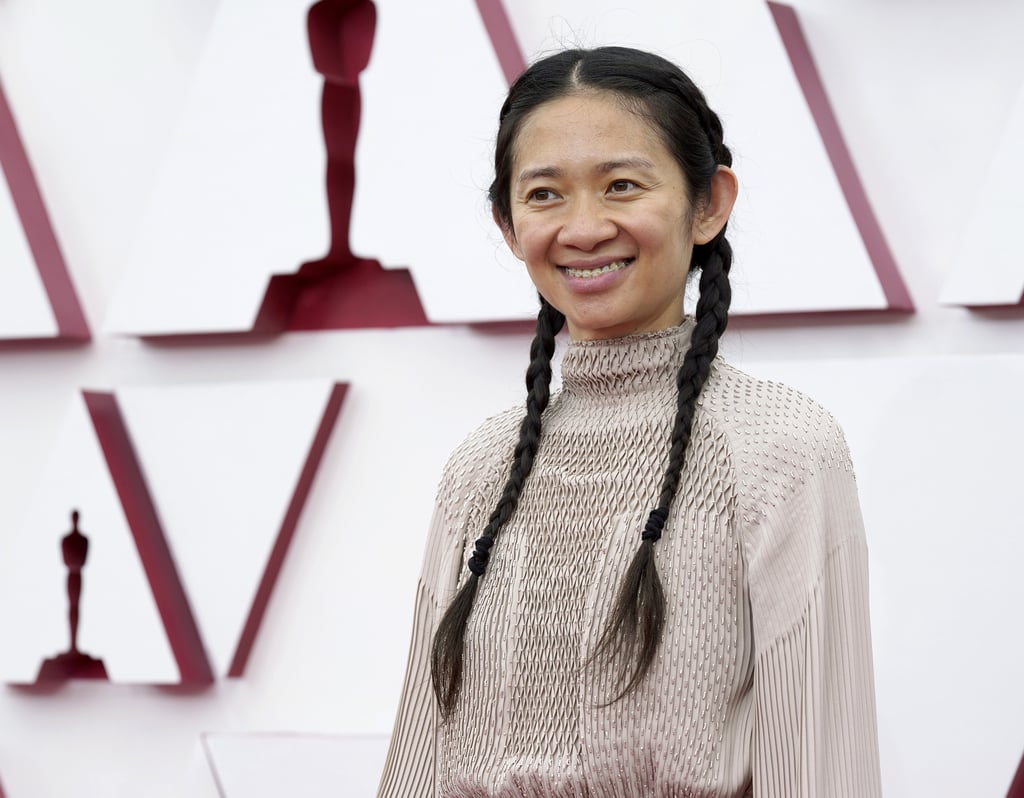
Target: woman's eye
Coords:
[[621, 186], [542, 194]]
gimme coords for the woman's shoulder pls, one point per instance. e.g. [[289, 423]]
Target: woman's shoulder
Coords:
[[766, 408], [482, 458], [778, 435]]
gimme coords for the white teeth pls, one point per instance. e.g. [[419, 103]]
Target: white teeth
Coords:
[[611, 267]]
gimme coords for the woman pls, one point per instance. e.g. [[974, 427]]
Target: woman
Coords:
[[666, 591]]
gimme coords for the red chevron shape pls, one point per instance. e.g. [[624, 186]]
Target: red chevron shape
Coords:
[[177, 616], [287, 531], [807, 75], [157, 560], [35, 221]]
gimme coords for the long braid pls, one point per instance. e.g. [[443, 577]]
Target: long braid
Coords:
[[447, 652], [712, 316], [637, 619]]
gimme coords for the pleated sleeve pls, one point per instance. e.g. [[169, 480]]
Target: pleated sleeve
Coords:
[[815, 727], [468, 483], [409, 768]]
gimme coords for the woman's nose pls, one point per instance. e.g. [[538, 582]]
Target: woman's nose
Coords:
[[586, 224]]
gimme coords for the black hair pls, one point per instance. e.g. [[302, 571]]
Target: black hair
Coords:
[[663, 95]]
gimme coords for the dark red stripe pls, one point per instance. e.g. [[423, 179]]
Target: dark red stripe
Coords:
[[287, 531], [157, 560], [503, 38], [896, 293], [35, 221]]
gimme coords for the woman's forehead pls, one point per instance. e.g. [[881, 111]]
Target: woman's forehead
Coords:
[[593, 127]]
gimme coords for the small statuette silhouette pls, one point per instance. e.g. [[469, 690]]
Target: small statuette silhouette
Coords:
[[73, 664]]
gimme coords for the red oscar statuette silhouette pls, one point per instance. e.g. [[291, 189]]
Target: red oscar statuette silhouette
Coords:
[[73, 664]]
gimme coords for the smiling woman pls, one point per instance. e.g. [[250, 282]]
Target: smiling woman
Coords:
[[559, 662], [602, 216]]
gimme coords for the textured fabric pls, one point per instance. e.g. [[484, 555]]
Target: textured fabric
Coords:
[[763, 682]]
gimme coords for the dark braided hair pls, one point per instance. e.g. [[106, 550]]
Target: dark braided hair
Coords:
[[446, 656], [676, 109]]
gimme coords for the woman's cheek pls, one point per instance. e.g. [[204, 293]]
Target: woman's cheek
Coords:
[[535, 239]]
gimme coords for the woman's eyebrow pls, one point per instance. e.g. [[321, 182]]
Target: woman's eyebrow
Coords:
[[624, 163], [542, 171]]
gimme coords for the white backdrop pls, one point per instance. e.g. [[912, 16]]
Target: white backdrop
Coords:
[[924, 92]]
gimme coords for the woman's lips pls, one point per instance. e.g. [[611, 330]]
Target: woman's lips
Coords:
[[587, 279]]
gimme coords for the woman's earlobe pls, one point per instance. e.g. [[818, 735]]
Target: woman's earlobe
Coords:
[[724, 190]]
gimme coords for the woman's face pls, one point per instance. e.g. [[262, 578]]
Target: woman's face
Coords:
[[601, 217]]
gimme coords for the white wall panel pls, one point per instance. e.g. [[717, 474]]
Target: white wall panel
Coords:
[[423, 162], [272, 765], [96, 89], [989, 267], [223, 462], [240, 192]]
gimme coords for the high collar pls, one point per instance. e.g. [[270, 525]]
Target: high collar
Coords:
[[633, 363]]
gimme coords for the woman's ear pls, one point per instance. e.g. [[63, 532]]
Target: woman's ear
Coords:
[[714, 215], [508, 234]]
